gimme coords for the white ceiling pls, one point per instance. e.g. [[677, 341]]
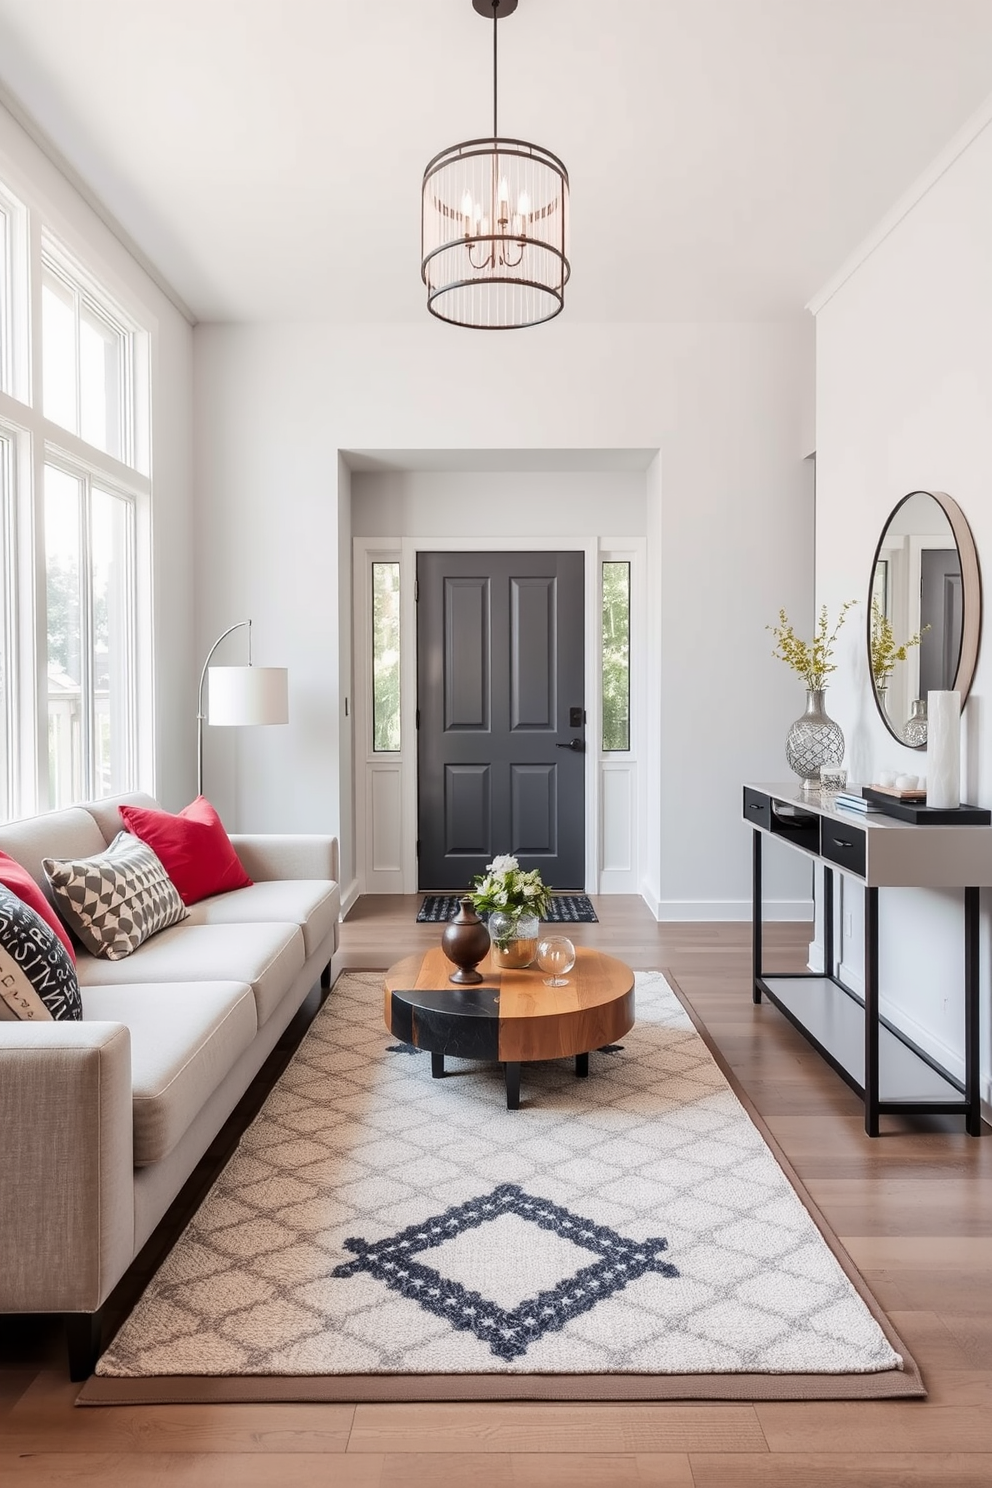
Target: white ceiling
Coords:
[[725, 155]]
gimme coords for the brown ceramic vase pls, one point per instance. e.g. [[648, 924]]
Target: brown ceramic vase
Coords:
[[465, 941]]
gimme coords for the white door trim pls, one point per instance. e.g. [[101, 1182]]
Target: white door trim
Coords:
[[385, 549]]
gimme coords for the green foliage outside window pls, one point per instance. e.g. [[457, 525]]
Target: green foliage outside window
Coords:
[[385, 656], [616, 655]]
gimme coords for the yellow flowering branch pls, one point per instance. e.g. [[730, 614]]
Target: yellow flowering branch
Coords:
[[884, 651], [810, 660]]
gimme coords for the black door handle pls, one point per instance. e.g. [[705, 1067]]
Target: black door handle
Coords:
[[574, 744]]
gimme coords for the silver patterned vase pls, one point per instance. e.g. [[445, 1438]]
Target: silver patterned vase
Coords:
[[915, 729], [813, 740]]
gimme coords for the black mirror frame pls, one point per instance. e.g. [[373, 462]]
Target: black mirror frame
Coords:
[[971, 588]]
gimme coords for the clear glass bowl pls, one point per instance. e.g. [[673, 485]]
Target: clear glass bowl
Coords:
[[556, 955]]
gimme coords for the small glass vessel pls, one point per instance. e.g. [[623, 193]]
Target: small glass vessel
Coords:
[[914, 731], [556, 955]]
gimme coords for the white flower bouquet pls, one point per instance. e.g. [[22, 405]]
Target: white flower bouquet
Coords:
[[505, 888]]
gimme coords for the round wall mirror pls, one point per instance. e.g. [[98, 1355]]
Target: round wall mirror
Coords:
[[924, 611]]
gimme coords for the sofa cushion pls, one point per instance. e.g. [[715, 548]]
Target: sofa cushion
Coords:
[[313, 904], [268, 957], [115, 899], [65, 834], [184, 1039], [194, 847], [17, 878], [37, 979]]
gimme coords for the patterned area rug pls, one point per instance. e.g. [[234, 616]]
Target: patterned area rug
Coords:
[[382, 1235], [576, 908]]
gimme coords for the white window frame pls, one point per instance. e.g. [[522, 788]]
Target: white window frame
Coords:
[[56, 260], [34, 441], [90, 476]]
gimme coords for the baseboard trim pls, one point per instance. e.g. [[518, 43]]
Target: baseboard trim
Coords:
[[674, 910], [350, 896]]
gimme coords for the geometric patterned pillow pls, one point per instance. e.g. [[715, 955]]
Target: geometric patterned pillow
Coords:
[[116, 899], [37, 978]]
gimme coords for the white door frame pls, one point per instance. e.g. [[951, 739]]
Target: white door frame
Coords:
[[386, 784]]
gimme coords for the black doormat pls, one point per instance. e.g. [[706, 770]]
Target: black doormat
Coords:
[[576, 908]]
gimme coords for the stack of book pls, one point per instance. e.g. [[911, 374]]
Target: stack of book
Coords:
[[851, 799]]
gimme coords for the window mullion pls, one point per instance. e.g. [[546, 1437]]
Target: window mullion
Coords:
[[88, 712]]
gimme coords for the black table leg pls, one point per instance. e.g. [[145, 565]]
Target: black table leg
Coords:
[[972, 1068], [511, 1073], [437, 1065], [582, 1065], [756, 916], [871, 1012]]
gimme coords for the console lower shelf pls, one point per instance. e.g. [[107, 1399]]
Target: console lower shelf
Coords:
[[833, 1019]]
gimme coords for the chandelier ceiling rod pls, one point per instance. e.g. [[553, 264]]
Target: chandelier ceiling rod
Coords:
[[495, 54]]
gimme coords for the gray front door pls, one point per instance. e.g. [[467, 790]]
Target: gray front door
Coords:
[[501, 708]]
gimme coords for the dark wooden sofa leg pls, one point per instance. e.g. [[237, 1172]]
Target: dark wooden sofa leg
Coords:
[[325, 976], [82, 1331]]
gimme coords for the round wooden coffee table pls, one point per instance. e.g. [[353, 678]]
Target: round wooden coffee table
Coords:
[[510, 1016]]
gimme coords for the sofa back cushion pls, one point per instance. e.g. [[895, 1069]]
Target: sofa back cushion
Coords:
[[37, 978], [107, 816], [56, 834], [115, 899]]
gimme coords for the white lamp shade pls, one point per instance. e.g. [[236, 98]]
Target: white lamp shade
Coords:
[[240, 695]]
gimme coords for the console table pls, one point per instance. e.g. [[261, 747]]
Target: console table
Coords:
[[882, 1064]]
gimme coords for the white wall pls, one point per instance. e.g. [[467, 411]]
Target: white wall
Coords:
[[731, 543], [904, 402], [489, 504], [32, 176]]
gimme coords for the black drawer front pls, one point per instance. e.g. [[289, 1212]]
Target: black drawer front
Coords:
[[843, 845], [757, 809]]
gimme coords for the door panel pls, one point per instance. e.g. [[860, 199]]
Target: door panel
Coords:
[[467, 810], [500, 641]]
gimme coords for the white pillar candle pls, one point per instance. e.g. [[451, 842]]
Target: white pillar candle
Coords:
[[944, 749]]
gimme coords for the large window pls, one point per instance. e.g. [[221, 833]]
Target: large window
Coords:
[[85, 363], [6, 263], [7, 748], [89, 584], [71, 511]]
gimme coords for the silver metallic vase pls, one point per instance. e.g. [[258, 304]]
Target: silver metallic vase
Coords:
[[813, 740]]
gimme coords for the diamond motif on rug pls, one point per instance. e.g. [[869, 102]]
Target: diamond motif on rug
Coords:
[[509, 1332]]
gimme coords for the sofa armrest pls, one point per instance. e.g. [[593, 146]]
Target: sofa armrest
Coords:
[[270, 855], [66, 1164]]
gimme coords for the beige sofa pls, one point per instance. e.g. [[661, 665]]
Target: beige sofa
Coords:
[[104, 1120]]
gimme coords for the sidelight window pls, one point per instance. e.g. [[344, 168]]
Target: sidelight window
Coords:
[[616, 656], [385, 657]]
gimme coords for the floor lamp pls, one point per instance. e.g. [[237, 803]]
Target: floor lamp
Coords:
[[239, 695]]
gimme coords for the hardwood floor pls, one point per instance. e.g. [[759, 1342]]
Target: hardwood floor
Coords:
[[913, 1207]]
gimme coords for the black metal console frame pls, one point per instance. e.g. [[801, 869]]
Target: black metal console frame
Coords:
[[969, 1105]]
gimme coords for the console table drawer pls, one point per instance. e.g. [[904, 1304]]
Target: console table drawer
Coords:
[[757, 809], [843, 845]]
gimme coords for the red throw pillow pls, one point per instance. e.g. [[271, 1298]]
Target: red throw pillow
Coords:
[[197, 853], [19, 881]]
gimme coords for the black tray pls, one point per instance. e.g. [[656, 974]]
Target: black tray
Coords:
[[922, 815]]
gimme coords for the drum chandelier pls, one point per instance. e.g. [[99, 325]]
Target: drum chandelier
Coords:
[[494, 225]]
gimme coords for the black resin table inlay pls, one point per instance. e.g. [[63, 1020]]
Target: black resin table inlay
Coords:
[[460, 1021]]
